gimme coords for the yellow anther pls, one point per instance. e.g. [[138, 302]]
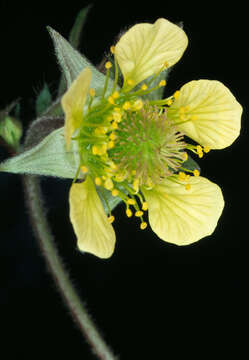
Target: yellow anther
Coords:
[[98, 181], [108, 184], [95, 150], [185, 156], [176, 94], [206, 149], [115, 192], [169, 102], [135, 184], [113, 165], [112, 136], [92, 92], [138, 104], [182, 110], [111, 100], [84, 169], [114, 125], [108, 65], [117, 109], [101, 150], [115, 95], [181, 175], [139, 213], [110, 219], [193, 117], [199, 151], [110, 144], [149, 183], [129, 213], [127, 105], [187, 186], [120, 177], [131, 201], [116, 116], [145, 206], [103, 177], [162, 83], [112, 49], [166, 64], [143, 225], [196, 172], [144, 87], [130, 82]]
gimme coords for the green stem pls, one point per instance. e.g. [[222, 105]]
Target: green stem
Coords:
[[47, 244]]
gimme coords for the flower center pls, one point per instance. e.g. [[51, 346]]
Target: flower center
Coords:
[[126, 145], [148, 145]]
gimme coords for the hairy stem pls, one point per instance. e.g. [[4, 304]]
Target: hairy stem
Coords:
[[47, 244], [62, 280]]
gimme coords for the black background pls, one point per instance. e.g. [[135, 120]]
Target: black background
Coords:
[[150, 298]]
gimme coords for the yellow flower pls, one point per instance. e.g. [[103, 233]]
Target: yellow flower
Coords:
[[134, 148]]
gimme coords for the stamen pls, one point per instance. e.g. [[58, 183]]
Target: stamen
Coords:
[[108, 65], [135, 184], [131, 201], [162, 83], [129, 213], [108, 184], [84, 169], [143, 225], [206, 149], [110, 219], [115, 192], [98, 181], [144, 87], [144, 206], [139, 213]]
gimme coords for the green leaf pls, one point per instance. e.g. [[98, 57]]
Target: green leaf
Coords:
[[48, 158], [44, 100], [74, 39], [72, 63]]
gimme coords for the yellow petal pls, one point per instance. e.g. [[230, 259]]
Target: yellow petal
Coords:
[[145, 48], [215, 112], [181, 216], [94, 233], [73, 102]]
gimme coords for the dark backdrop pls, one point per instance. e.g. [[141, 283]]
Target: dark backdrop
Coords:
[[150, 298]]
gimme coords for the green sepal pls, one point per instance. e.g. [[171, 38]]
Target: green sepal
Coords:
[[75, 33], [106, 197], [72, 63], [48, 158], [159, 92], [74, 39], [191, 164], [44, 100]]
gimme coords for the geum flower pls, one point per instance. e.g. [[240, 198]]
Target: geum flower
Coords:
[[135, 148]]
